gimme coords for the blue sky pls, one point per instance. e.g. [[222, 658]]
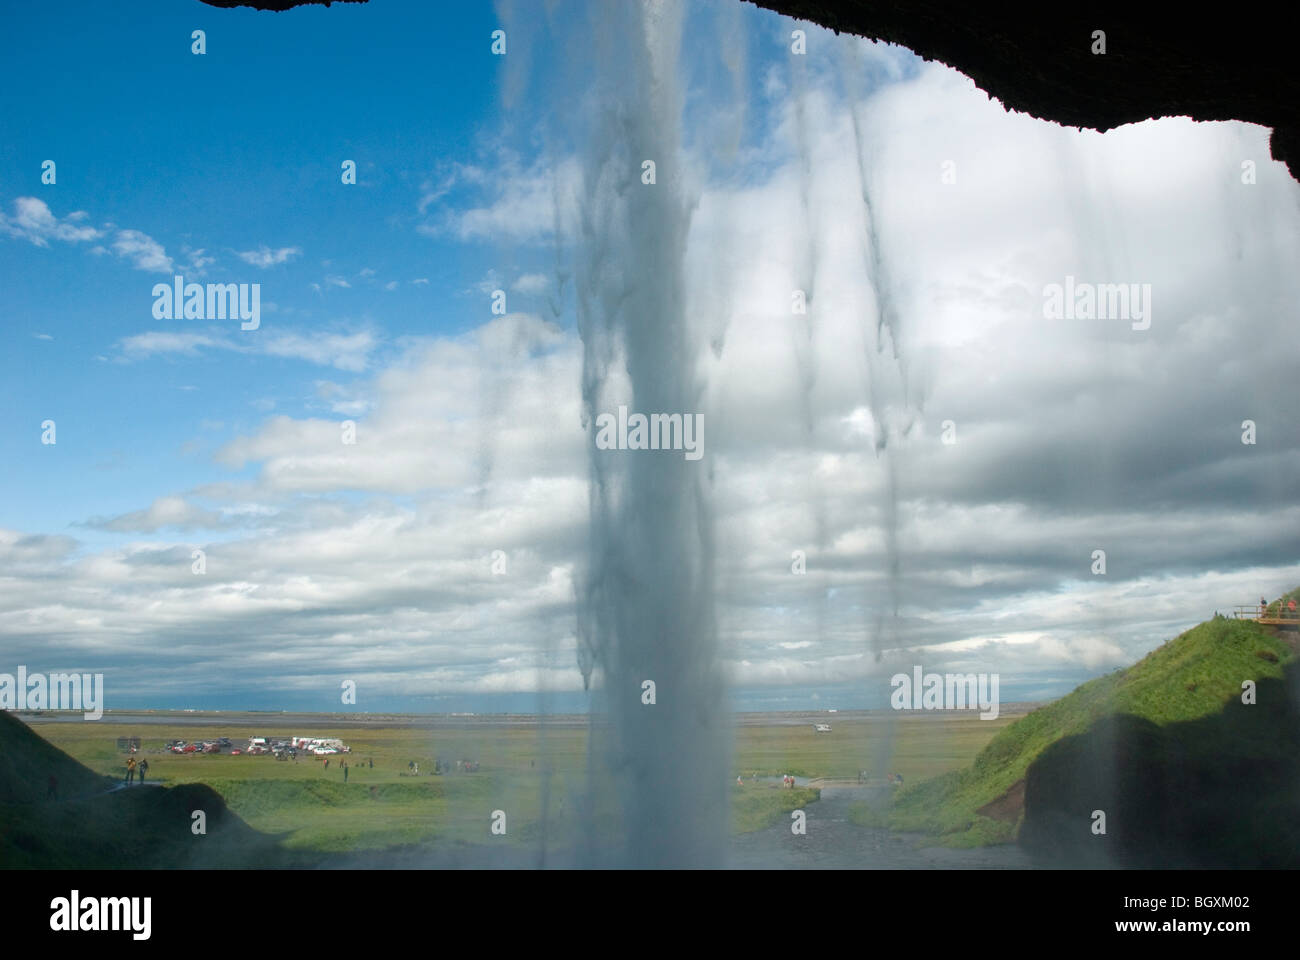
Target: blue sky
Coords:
[[373, 561], [230, 151], [237, 151]]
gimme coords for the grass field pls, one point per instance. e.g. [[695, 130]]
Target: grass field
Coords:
[[311, 808], [963, 775]]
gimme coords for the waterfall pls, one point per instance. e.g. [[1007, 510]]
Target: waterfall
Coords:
[[646, 608]]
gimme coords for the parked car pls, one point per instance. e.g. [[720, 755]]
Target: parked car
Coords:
[[190, 748]]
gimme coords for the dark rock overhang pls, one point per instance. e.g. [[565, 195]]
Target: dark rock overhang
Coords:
[[1039, 60]]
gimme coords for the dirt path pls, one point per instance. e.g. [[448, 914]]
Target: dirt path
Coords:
[[127, 786], [833, 842], [119, 785]]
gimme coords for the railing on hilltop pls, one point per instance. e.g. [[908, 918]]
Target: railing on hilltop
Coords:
[[1274, 614]]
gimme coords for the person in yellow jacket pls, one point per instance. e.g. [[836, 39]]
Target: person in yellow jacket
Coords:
[[130, 770]]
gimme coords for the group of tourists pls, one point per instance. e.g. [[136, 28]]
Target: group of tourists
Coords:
[[134, 767], [1284, 609]]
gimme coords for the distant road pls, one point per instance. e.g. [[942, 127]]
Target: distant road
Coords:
[[172, 718], [444, 721]]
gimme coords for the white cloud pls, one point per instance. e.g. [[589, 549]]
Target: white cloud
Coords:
[[33, 221], [344, 351], [525, 204], [144, 252], [531, 283], [431, 192], [344, 400], [164, 341], [199, 261], [265, 257], [164, 512], [350, 351]]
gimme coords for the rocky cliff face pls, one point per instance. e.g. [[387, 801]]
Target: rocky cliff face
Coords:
[[1040, 61]]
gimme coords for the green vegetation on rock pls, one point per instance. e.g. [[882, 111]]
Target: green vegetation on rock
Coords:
[[1189, 678]]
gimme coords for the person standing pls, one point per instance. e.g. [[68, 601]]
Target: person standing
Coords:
[[130, 771], [143, 767], [345, 771]]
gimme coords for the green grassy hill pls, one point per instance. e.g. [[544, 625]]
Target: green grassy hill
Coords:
[[27, 762], [89, 824], [1195, 679]]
